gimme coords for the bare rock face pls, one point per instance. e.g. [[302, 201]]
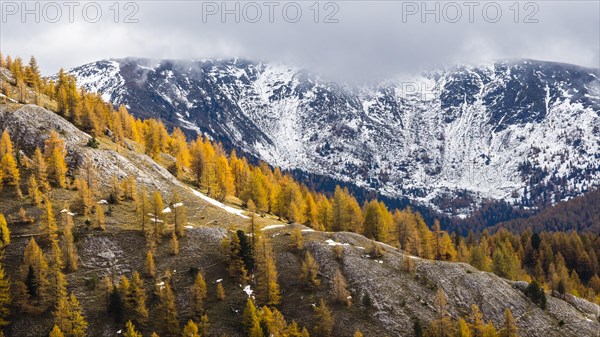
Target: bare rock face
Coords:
[[399, 297], [30, 125], [101, 252]]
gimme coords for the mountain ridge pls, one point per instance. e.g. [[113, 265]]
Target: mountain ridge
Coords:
[[472, 130]]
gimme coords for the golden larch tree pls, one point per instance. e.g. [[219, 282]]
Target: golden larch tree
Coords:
[[33, 191], [49, 227], [169, 311], [40, 170], [324, 320], [266, 273], [149, 268], [250, 316], [174, 244], [56, 332], [85, 196], [309, 271], [190, 330], [198, 295], [6, 146], [142, 207], [11, 175], [87, 172], [54, 154], [509, 328], [130, 330], [220, 291], [33, 287], [157, 207], [4, 232], [135, 299], [339, 289], [297, 239], [58, 282], [68, 316], [5, 298], [130, 188]]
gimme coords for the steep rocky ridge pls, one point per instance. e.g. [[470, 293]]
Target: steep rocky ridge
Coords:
[[522, 131]]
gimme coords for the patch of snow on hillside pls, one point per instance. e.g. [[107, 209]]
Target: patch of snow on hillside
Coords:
[[335, 243], [271, 227], [216, 203]]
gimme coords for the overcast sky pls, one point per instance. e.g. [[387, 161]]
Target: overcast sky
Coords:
[[357, 39]]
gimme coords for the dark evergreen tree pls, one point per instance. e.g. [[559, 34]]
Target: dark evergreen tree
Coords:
[[246, 251], [536, 294]]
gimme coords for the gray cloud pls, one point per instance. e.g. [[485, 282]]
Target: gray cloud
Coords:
[[371, 39]]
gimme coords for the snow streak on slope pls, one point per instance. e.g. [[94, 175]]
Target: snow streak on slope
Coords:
[[219, 204]]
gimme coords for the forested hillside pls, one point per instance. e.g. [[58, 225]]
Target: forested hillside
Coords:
[[578, 214], [110, 223]]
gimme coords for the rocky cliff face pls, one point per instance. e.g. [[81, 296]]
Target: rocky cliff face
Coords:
[[522, 131]]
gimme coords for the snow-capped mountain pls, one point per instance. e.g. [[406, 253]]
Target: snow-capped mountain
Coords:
[[523, 131]]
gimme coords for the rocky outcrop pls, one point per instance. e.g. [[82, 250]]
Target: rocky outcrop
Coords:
[[30, 126], [399, 297]]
